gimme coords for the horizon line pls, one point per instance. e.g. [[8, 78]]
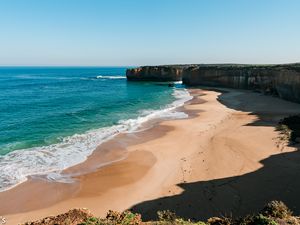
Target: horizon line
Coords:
[[67, 66], [175, 64]]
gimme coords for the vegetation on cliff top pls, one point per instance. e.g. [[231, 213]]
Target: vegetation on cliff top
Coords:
[[274, 213], [289, 66]]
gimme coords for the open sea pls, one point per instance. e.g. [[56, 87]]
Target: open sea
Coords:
[[52, 118]]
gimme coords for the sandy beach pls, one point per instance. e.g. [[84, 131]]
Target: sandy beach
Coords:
[[226, 158]]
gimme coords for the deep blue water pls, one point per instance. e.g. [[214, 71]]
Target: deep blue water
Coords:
[[49, 115]]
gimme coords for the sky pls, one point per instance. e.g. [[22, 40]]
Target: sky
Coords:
[[148, 32]]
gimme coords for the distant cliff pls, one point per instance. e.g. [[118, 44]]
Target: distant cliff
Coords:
[[155, 73], [281, 80]]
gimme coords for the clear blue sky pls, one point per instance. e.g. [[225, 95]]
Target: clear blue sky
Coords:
[[146, 32]]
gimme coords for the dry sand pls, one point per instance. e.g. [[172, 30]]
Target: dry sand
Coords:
[[226, 158]]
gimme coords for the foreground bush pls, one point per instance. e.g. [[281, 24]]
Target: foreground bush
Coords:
[[274, 213]]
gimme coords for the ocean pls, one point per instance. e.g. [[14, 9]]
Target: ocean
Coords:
[[52, 118]]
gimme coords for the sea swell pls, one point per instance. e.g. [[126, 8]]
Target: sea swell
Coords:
[[50, 160]]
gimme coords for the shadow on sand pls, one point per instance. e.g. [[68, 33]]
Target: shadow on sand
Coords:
[[277, 179]]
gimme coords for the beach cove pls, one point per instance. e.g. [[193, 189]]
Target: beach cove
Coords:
[[225, 158]]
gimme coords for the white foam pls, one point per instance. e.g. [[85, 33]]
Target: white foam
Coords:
[[178, 82], [50, 160], [110, 77]]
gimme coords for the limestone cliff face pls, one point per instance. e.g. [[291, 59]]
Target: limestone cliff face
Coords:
[[282, 80], [155, 73], [287, 84]]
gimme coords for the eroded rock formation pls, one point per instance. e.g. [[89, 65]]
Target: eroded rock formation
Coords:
[[155, 73]]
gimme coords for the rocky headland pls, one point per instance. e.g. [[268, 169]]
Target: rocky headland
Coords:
[[155, 73]]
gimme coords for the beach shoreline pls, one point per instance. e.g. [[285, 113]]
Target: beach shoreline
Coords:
[[217, 141]]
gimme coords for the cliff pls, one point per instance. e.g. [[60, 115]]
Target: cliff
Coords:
[[281, 80], [155, 73]]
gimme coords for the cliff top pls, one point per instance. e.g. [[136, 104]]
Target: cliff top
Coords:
[[290, 66]]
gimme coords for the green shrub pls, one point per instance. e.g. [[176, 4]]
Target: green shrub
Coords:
[[166, 215], [262, 220], [276, 209], [92, 221], [285, 132], [124, 218], [187, 222], [219, 221]]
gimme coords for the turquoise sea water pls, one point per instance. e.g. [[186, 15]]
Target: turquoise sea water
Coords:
[[52, 118]]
